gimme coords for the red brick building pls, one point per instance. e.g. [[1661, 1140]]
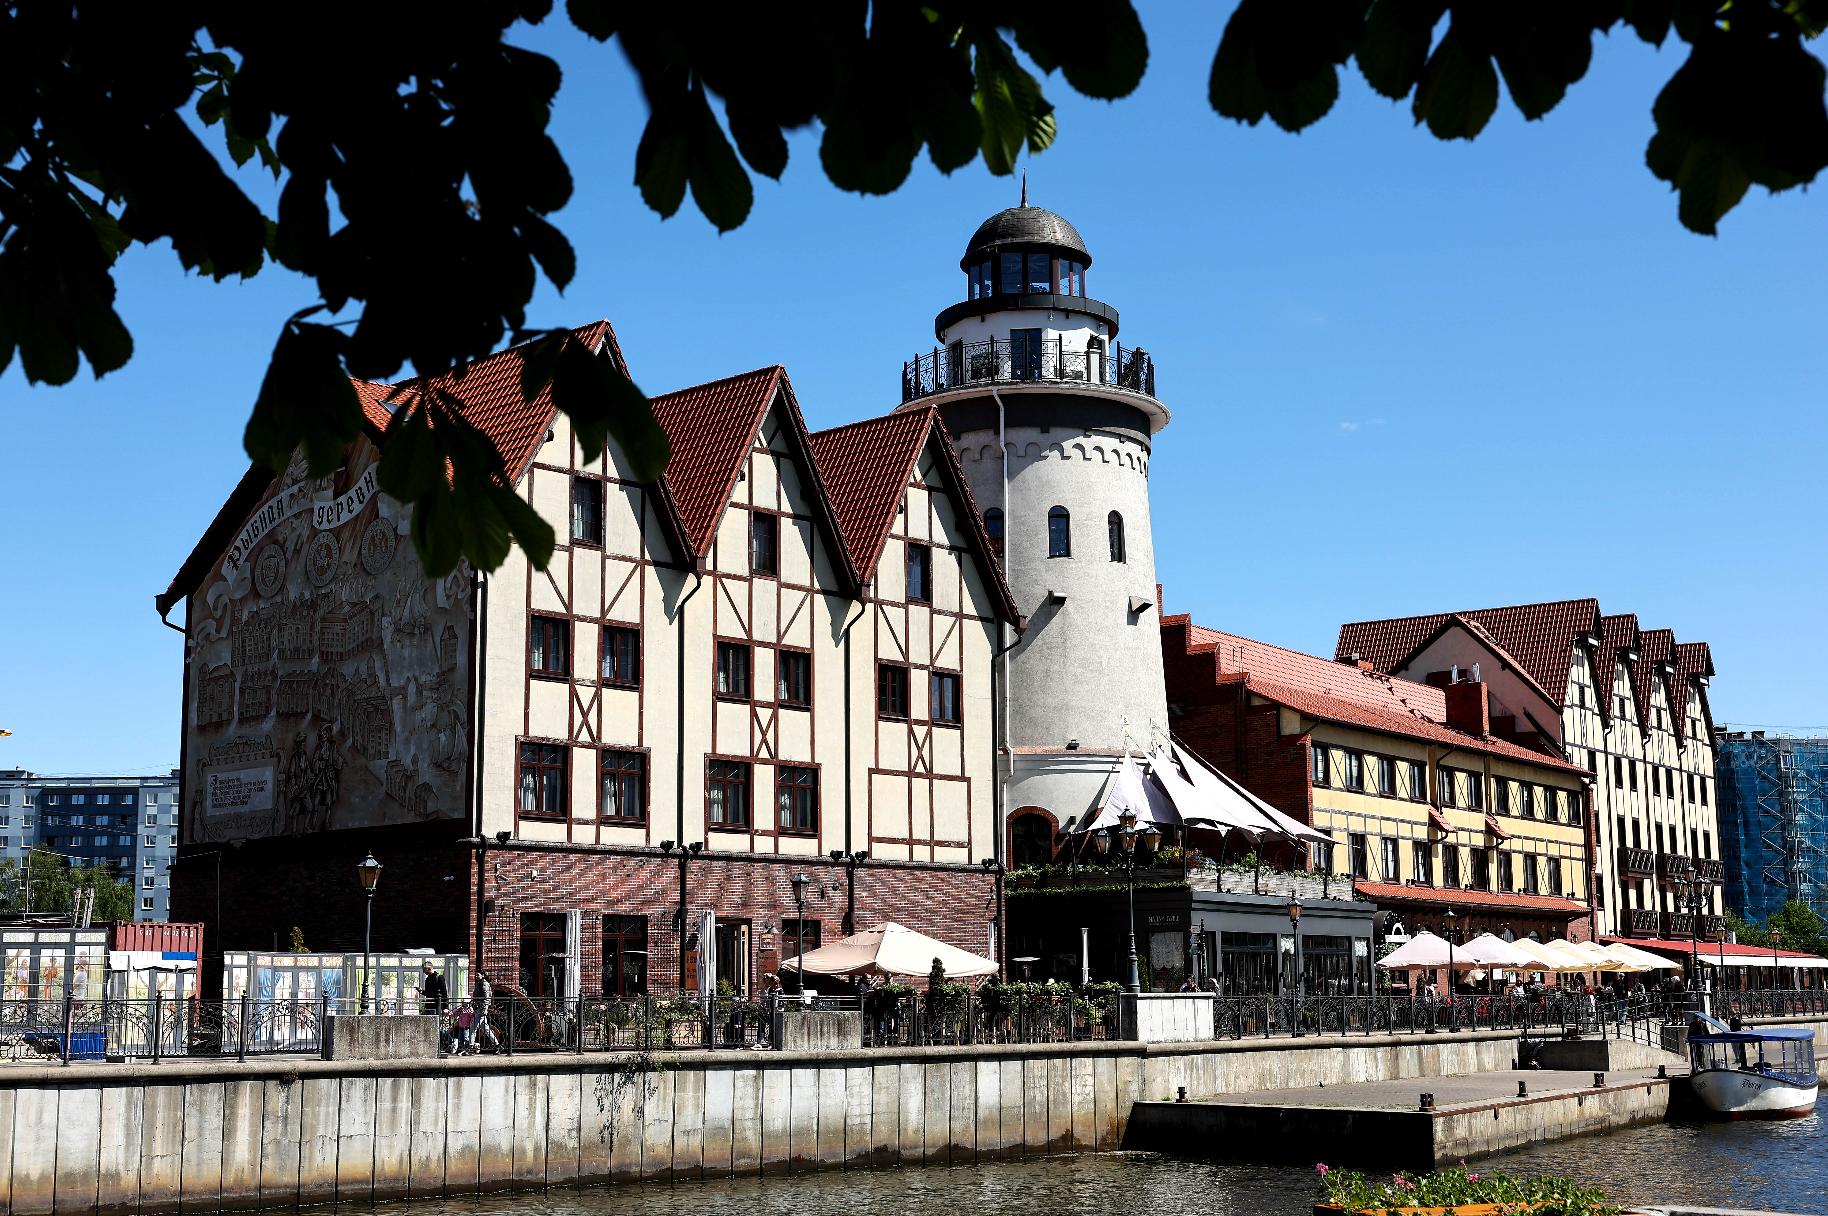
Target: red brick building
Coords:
[[1430, 803]]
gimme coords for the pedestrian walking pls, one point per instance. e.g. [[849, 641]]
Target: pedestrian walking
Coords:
[[433, 995]]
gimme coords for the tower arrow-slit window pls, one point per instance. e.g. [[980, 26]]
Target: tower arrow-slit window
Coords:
[[1115, 524], [993, 528]]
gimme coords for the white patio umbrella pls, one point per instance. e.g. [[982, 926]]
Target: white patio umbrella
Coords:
[[1645, 959], [1496, 952], [1626, 960], [1546, 959], [1426, 950], [890, 950]]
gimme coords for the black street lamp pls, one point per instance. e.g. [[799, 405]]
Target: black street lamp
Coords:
[[370, 871], [1453, 1006], [1691, 897], [1720, 971], [799, 933], [1131, 845], [851, 861], [1773, 958], [1294, 921]]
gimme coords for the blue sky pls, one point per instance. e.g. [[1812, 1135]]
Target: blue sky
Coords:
[[1406, 376]]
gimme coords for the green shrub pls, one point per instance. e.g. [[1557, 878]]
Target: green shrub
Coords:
[[1459, 1187]]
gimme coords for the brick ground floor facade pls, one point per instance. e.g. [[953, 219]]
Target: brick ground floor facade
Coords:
[[607, 920]]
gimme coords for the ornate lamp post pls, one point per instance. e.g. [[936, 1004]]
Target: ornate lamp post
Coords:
[[370, 871], [1691, 897], [1720, 971], [799, 881], [1773, 958], [1453, 1008], [1294, 922], [1131, 844]]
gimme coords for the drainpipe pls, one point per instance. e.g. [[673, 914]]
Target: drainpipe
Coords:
[[850, 912], [698, 578]]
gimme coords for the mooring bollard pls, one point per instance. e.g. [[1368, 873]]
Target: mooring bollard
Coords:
[[1523, 1089], [1427, 1101], [1662, 1072], [1599, 1080], [1182, 1092]]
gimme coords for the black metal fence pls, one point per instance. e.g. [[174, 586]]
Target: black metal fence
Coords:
[[1001, 360], [157, 1028]]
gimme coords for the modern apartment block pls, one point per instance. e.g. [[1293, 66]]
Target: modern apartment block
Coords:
[[1773, 807], [127, 823], [1627, 704]]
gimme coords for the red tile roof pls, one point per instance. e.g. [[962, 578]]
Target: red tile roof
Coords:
[[1347, 694], [1395, 891], [1539, 636], [1694, 660], [489, 388], [1617, 633], [866, 466], [712, 427], [1714, 949]]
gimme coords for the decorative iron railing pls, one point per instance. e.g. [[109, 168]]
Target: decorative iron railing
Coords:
[[1637, 861], [1003, 361]]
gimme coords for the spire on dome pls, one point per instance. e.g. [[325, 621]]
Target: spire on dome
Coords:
[[1025, 187]]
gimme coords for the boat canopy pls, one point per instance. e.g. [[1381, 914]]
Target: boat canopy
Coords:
[[1771, 1034]]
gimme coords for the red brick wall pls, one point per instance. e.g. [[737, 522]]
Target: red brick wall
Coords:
[[426, 896], [1243, 741], [954, 904]]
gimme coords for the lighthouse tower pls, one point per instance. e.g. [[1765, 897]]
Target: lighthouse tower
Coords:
[[1054, 418]]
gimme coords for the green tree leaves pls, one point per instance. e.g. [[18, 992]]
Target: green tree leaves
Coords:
[[306, 400], [1747, 108]]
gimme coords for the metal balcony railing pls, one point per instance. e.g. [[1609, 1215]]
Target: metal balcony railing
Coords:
[[1638, 861], [1672, 865], [1001, 361], [1641, 922], [1710, 869]]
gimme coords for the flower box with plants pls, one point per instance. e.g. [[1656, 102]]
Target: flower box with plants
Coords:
[[1455, 1192]]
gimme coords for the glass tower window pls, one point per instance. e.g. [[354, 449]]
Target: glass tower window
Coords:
[[1072, 278], [1012, 273], [1040, 274], [981, 286]]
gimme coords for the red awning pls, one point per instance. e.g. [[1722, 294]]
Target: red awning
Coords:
[[1491, 825], [1440, 821]]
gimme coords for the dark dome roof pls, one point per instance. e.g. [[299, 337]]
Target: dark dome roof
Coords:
[[1024, 226]]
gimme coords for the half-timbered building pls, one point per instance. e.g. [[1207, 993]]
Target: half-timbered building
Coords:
[[604, 775]]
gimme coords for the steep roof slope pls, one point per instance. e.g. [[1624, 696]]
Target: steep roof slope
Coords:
[[1539, 636], [1344, 692], [712, 427]]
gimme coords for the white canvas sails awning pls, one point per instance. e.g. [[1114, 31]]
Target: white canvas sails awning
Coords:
[[1134, 792], [1237, 803]]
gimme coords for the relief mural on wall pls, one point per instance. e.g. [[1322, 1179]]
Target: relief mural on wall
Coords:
[[328, 674]]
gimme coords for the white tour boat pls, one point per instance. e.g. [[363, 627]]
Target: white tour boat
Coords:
[[1753, 1074]]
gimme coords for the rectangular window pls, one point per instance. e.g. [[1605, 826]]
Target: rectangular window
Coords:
[[1418, 783], [764, 543], [1040, 274], [733, 670], [587, 511], [729, 790], [1444, 778], [1386, 776], [1507, 872], [551, 646], [1424, 863], [797, 791], [147, 881], [1689, 787], [1507, 804], [1450, 865], [624, 955], [1704, 791], [1529, 873], [798, 936], [920, 573], [1553, 866], [1631, 768], [1618, 772], [623, 780], [542, 954], [1320, 766], [1011, 275], [1475, 791], [891, 691], [146, 904], [1659, 830], [1707, 845], [621, 656], [1361, 855], [1355, 771], [1392, 860], [542, 780], [152, 842], [944, 697], [1323, 856], [1526, 801], [1637, 835], [1482, 870], [793, 675]]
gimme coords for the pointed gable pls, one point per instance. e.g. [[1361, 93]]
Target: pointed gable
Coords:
[[1540, 637], [866, 467], [1694, 662], [1617, 634], [712, 427]]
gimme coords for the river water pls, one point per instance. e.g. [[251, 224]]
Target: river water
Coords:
[[1773, 1166]]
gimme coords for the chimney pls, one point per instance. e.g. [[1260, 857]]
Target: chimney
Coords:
[[1468, 708], [1352, 660]]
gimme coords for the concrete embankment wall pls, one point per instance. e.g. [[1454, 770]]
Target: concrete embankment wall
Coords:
[[276, 1133]]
